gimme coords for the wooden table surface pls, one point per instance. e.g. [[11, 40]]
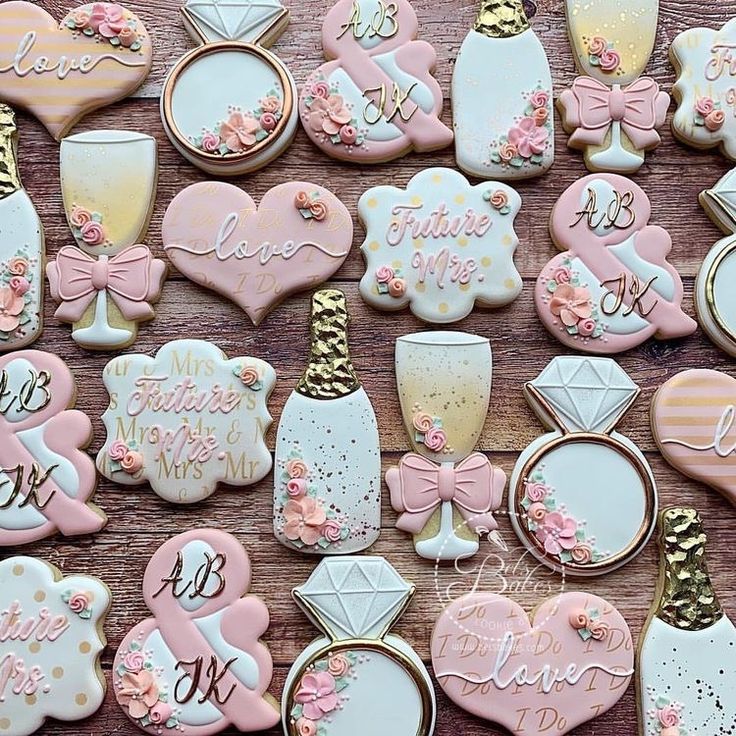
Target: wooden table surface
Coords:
[[139, 521]]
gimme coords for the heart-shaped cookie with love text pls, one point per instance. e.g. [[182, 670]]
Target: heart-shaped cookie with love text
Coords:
[[98, 54], [256, 256], [571, 663], [693, 421]]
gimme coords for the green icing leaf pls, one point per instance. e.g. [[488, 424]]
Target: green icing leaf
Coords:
[[134, 646], [172, 722], [661, 702], [550, 503], [551, 287], [340, 684], [320, 665], [526, 502], [594, 613], [585, 634], [495, 158], [86, 614], [565, 556], [537, 158], [296, 711], [344, 533], [324, 543], [261, 135], [517, 162], [580, 535]]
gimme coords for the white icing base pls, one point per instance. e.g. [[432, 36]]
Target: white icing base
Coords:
[[615, 158]]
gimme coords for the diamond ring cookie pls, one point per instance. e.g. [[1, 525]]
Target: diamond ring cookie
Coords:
[[186, 419], [357, 678], [567, 663], [613, 113], [439, 245], [375, 99], [51, 639], [509, 133], [221, 126], [612, 288], [327, 478], [582, 497], [59, 72], [198, 665]]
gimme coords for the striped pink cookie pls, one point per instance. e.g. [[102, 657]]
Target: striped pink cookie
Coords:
[[694, 423]]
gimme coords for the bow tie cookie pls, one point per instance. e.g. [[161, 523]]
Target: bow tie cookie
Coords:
[[375, 99], [444, 492], [257, 255], [568, 663], [98, 54], [46, 479], [612, 288], [613, 113], [198, 665], [107, 283], [186, 419]]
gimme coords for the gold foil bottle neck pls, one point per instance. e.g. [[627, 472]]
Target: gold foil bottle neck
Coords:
[[9, 176], [687, 599], [501, 18], [329, 373]]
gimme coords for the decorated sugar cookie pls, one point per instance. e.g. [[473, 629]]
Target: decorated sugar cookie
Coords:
[[257, 255], [582, 498], [46, 479], [693, 417], [566, 664], [444, 492], [686, 678], [612, 288], [223, 127], [375, 99], [98, 54], [109, 281], [198, 665], [357, 679], [186, 419], [21, 248], [439, 246], [705, 90], [327, 479], [51, 638], [509, 133], [613, 113]]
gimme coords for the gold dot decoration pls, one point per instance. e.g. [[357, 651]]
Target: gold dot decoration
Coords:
[[485, 262], [510, 284], [80, 699], [18, 570], [34, 647], [57, 673], [374, 245], [39, 596], [30, 699], [85, 647], [4, 724], [443, 307]]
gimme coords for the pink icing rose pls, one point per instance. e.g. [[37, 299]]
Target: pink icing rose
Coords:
[[210, 142], [329, 115], [422, 422], [668, 716], [11, 307], [301, 200], [562, 275], [19, 284], [331, 531], [239, 132], [507, 152], [132, 462], [539, 99], [305, 727], [134, 661], [317, 695], [348, 135], [704, 106], [296, 487], [270, 104], [297, 469], [536, 492], [557, 533], [384, 274], [582, 554], [106, 19], [249, 375], [78, 602], [304, 519], [118, 450], [528, 138], [499, 199], [268, 121], [599, 629], [318, 209], [597, 45], [540, 116], [127, 36], [397, 287], [715, 120], [18, 266], [537, 512], [138, 692], [320, 89], [79, 216], [160, 713], [586, 327], [435, 439], [338, 665], [80, 18], [571, 304], [92, 233], [610, 60], [579, 618]]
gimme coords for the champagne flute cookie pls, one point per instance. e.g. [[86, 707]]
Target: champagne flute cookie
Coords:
[[198, 665], [502, 97], [186, 419], [59, 72], [613, 113], [612, 288], [223, 127], [375, 99]]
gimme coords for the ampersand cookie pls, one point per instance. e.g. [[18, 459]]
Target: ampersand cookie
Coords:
[[375, 99], [257, 255], [51, 638], [439, 246], [198, 666], [566, 664], [705, 89], [46, 479], [98, 54], [612, 288]]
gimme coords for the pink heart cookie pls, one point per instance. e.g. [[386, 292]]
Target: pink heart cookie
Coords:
[[216, 235], [572, 662], [693, 417], [98, 54]]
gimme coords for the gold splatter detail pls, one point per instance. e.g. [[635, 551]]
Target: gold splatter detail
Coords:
[[39, 596], [397, 264], [507, 240], [416, 200], [372, 202], [510, 284], [31, 699], [18, 570], [85, 647], [437, 179], [443, 308], [459, 198], [374, 245], [34, 647], [57, 673], [485, 262], [462, 242], [4, 723], [80, 699], [464, 287], [420, 287]]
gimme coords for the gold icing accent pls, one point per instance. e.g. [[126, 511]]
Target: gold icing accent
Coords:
[[501, 18], [687, 599], [9, 176], [329, 373]]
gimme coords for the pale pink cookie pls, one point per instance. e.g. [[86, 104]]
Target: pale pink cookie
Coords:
[[257, 255], [98, 54], [46, 479], [375, 99], [612, 288], [571, 662], [198, 666]]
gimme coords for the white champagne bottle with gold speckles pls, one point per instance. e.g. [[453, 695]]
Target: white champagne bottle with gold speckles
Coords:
[[687, 651], [327, 477], [502, 97]]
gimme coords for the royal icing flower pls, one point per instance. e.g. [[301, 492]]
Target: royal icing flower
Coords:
[[507, 152], [127, 36], [397, 287], [301, 200], [79, 18], [297, 468], [320, 89], [329, 115], [571, 304], [536, 492], [348, 135], [317, 695], [318, 209], [117, 450], [239, 131], [249, 375], [11, 307], [557, 533], [668, 716], [268, 121], [331, 531], [107, 19], [704, 106], [210, 142], [435, 439], [537, 512], [540, 116], [581, 554], [384, 274], [79, 216], [610, 60], [338, 665], [160, 713], [579, 619], [92, 233], [598, 629], [132, 462], [78, 602], [304, 519], [138, 692], [271, 103], [305, 727], [539, 99], [19, 285], [18, 266], [586, 327], [133, 661], [296, 487], [715, 120], [422, 421], [499, 199], [597, 45], [528, 138]]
